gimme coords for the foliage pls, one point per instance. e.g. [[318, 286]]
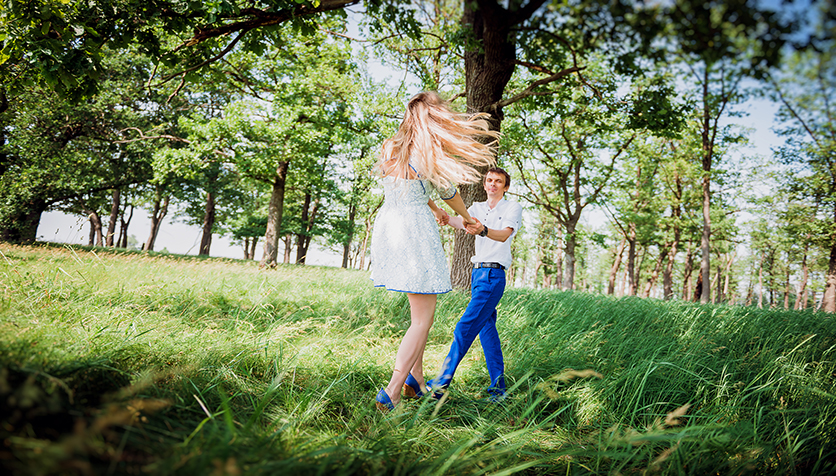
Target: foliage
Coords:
[[61, 43], [59, 150]]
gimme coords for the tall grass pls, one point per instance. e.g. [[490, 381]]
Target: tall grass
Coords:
[[133, 363]]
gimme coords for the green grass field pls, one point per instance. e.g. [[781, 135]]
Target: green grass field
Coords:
[[128, 363]]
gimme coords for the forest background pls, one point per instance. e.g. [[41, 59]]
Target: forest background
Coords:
[[261, 124]]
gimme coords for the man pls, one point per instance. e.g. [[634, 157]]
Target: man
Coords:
[[497, 221]]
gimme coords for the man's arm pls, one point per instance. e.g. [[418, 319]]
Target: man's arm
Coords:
[[496, 235]]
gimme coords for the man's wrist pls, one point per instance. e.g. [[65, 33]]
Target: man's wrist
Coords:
[[484, 231]]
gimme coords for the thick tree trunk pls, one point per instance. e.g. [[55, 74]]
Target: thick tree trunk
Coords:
[[619, 252], [488, 64], [95, 226], [22, 224], [274, 218], [208, 224], [115, 206], [157, 214]]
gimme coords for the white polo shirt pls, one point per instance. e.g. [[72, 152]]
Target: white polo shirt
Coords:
[[504, 215]]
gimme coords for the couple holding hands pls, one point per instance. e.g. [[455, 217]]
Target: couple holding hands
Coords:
[[437, 148]]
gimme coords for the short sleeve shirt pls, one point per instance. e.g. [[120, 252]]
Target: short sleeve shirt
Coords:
[[505, 214]]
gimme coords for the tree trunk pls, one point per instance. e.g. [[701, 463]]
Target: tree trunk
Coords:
[[619, 252], [123, 227], [686, 274], [760, 283], [707, 150], [352, 214], [95, 226], [801, 296], [558, 262], [667, 273], [631, 259], [787, 286], [727, 279], [751, 292], [208, 224], [91, 237], [303, 239], [828, 301], [274, 218], [717, 296], [114, 215], [654, 276], [571, 244], [365, 246], [157, 215], [288, 245], [489, 62], [22, 224]]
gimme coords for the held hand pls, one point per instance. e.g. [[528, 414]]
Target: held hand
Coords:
[[442, 218], [473, 228]]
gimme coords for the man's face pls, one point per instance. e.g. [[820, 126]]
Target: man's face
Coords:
[[495, 184]]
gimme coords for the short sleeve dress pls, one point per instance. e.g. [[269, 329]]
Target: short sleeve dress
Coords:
[[406, 251]]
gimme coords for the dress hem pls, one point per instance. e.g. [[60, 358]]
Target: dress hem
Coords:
[[411, 292]]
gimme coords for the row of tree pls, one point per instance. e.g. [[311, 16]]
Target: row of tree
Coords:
[[264, 121]]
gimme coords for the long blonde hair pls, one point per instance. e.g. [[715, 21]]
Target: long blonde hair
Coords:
[[441, 144]]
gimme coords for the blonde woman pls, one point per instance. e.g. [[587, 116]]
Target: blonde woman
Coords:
[[434, 148]]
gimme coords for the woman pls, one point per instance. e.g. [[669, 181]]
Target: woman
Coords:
[[434, 147]]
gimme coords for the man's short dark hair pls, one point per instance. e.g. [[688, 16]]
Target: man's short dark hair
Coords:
[[500, 171]]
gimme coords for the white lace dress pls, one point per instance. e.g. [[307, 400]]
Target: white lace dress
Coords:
[[406, 250]]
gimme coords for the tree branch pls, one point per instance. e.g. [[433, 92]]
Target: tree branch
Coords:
[[529, 91]]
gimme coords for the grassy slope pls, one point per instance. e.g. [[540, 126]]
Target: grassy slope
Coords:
[[131, 363]]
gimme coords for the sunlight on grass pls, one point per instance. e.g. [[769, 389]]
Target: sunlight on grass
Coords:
[[168, 364]]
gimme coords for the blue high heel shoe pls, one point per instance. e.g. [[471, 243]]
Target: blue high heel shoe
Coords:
[[437, 391], [411, 388], [383, 402]]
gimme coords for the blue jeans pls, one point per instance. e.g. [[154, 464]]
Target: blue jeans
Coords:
[[486, 288]]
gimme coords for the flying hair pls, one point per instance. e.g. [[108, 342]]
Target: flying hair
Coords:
[[442, 145]]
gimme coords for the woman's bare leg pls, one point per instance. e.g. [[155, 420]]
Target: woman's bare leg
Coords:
[[411, 351]]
